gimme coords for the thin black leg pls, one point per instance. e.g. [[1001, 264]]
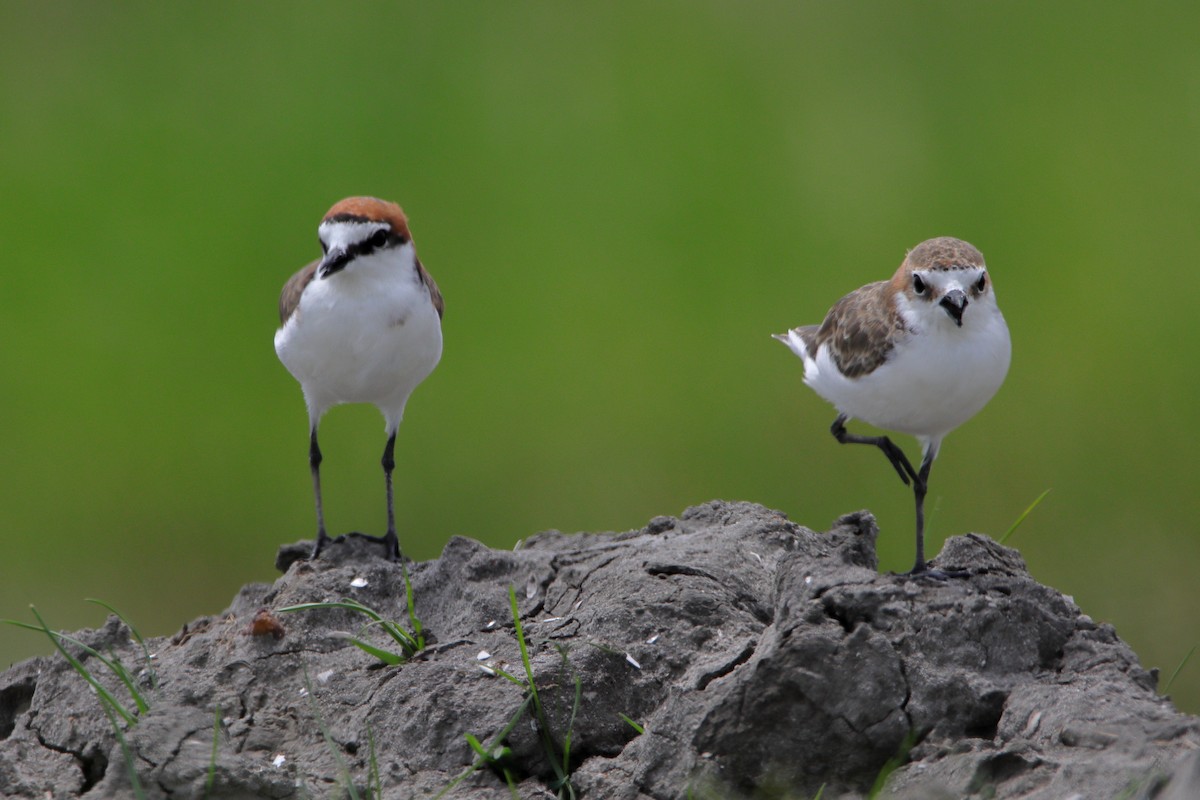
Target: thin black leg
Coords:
[[921, 568], [895, 455], [314, 464], [390, 540], [920, 487]]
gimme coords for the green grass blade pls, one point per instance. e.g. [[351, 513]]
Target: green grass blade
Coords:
[[566, 754], [347, 604], [512, 600], [632, 724], [481, 762], [1175, 674], [891, 765], [374, 782], [115, 666], [566, 757], [459, 778], [414, 620], [105, 695], [130, 765], [27, 626], [512, 723], [563, 778], [512, 784], [1024, 514], [477, 746], [136, 636], [130, 683], [387, 657], [508, 676], [407, 642], [399, 635], [402, 638], [212, 759]]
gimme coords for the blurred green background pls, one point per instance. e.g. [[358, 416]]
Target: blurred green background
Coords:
[[620, 202]]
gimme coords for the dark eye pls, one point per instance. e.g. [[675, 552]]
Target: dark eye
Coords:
[[981, 284], [379, 238], [918, 285], [324, 247]]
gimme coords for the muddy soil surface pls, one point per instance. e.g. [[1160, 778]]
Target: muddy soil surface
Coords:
[[724, 653]]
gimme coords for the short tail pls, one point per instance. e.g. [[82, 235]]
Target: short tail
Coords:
[[795, 341]]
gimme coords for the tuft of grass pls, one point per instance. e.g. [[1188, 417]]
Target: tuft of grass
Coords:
[[1021, 518], [494, 754], [560, 764], [410, 643], [114, 665], [118, 714]]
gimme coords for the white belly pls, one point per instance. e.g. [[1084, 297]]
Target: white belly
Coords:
[[361, 340], [931, 384]]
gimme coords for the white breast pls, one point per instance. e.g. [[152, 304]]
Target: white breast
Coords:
[[368, 334], [936, 378]]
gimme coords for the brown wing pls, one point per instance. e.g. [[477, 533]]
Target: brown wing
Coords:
[[860, 329], [431, 285], [290, 297]]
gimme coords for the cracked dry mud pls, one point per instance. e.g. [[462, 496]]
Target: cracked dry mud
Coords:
[[763, 659]]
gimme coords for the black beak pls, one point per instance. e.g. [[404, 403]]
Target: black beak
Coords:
[[333, 261], [955, 302]]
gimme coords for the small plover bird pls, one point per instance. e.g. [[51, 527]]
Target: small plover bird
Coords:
[[920, 354], [362, 324]]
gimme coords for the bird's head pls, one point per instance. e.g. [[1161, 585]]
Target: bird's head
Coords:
[[359, 228], [944, 275]]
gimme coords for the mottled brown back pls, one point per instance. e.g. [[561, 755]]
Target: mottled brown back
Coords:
[[860, 330]]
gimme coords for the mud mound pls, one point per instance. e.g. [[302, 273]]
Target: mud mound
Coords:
[[760, 658]]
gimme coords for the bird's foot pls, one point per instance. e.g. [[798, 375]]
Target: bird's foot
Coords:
[[390, 542], [322, 540]]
